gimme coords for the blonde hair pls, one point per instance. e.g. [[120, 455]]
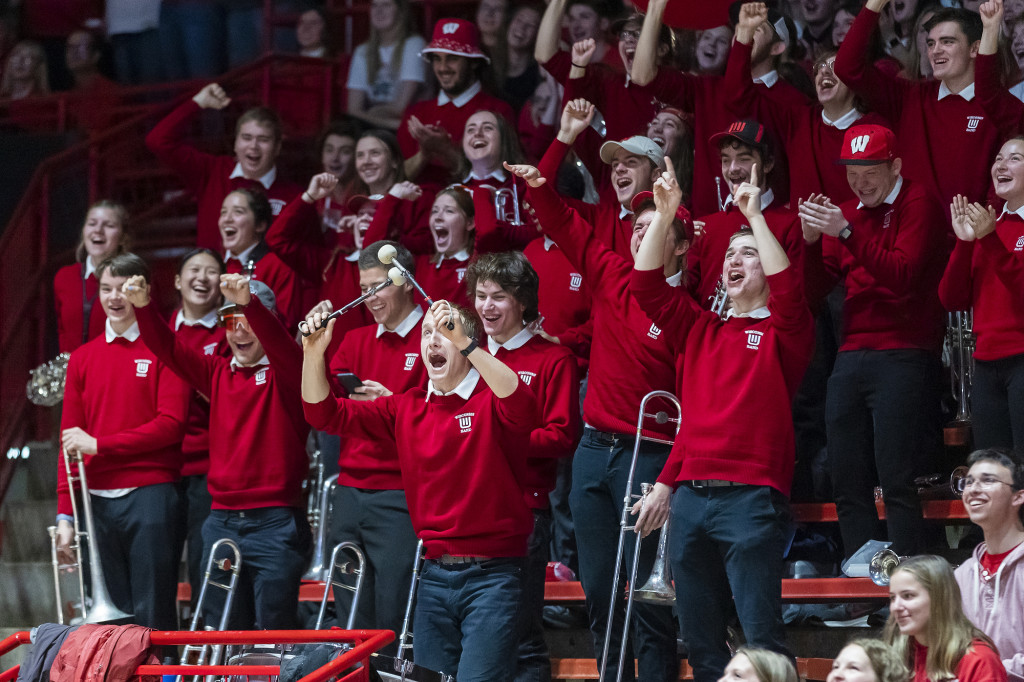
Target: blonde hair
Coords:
[[123, 245], [769, 666], [42, 80], [885, 662], [949, 633]]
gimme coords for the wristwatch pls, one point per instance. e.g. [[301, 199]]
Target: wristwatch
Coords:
[[845, 233], [470, 348]]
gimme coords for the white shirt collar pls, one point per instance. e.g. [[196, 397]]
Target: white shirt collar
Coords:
[[242, 257], [90, 269], [464, 390], [262, 361], [460, 100], [405, 326], [130, 334], [462, 255], [623, 212], [496, 174], [548, 243], [891, 197], [844, 121], [517, 341], [767, 197], [209, 320], [353, 257], [756, 313], [675, 280], [1006, 211], [267, 180], [967, 93], [769, 79]]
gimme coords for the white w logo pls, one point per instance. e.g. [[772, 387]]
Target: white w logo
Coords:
[[449, 28], [859, 144]]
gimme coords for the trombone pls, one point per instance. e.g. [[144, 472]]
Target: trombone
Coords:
[[100, 608], [344, 568], [319, 520], [658, 590], [233, 564]]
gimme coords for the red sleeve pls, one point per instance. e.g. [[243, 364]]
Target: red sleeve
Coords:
[[560, 413], [745, 100], [671, 308], [559, 66], [284, 354], [675, 88], [884, 93], [518, 408], [552, 160], [956, 287], [166, 140], [285, 238], [403, 221], [370, 420], [1008, 268], [195, 368], [901, 267], [981, 664], [791, 322], [821, 270], [406, 142], [1007, 111], [578, 339], [72, 414], [165, 429]]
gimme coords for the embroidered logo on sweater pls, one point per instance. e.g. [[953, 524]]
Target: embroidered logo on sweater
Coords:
[[142, 368], [887, 219], [209, 348], [465, 421], [410, 361], [527, 377], [460, 273], [654, 332], [973, 122], [1020, 244], [754, 339], [261, 377], [575, 280]]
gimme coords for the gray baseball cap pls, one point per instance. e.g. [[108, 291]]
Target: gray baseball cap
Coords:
[[639, 145], [260, 291]]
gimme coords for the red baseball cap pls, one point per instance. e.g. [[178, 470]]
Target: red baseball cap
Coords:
[[357, 201], [458, 37], [867, 145], [682, 215]]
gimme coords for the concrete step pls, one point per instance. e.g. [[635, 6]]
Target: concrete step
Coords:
[[27, 594], [25, 523]]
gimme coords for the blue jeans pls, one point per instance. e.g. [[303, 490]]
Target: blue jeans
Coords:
[[600, 471], [465, 621], [275, 545], [726, 546]]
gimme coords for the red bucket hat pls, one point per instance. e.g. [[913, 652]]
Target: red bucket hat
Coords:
[[458, 37]]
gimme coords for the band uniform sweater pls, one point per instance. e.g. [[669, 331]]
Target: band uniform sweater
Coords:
[[1006, 111], [946, 144], [282, 280], [494, 234], [207, 176], [743, 373], [133, 405], [811, 146], [564, 298], [70, 294], [463, 461], [195, 447], [891, 266], [392, 359], [257, 435], [980, 664], [630, 355], [443, 278], [988, 275], [550, 370], [403, 220]]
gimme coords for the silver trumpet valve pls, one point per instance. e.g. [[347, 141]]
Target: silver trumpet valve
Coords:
[[882, 565]]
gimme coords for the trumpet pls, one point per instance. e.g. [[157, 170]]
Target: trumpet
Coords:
[[719, 298], [961, 343], [46, 387], [882, 565], [505, 213], [100, 608]]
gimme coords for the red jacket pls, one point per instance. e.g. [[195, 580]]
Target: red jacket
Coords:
[[104, 653], [69, 299]]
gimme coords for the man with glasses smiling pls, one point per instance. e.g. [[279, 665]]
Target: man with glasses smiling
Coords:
[[992, 580]]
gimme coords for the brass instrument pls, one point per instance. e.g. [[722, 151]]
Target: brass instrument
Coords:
[[402, 666], [212, 654], [960, 342], [660, 417], [658, 588], [343, 568], [502, 211], [99, 608], [46, 385], [882, 565], [719, 299], [319, 521]]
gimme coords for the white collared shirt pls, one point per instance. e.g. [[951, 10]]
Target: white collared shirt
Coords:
[[209, 320], [267, 180], [890, 198], [675, 280], [459, 100], [767, 197], [756, 313], [844, 121], [353, 257], [462, 255], [131, 334], [405, 326], [967, 93], [90, 269], [548, 243], [496, 174], [516, 342], [243, 257], [1006, 210], [464, 390], [769, 79], [235, 364], [623, 212]]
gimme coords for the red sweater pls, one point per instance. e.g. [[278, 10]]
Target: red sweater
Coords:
[[979, 664], [1006, 111], [493, 235], [463, 462], [69, 299], [550, 370], [206, 175], [947, 145], [811, 146], [703, 96], [446, 280], [135, 408], [988, 275], [705, 259], [403, 221], [565, 298], [891, 266], [744, 373], [394, 361], [338, 277], [195, 448], [258, 443], [282, 280], [630, 355], [452, 119]]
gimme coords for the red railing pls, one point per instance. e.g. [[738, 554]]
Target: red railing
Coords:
[[365, 643]]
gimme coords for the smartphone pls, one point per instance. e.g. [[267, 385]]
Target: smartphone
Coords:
[[350, 381]]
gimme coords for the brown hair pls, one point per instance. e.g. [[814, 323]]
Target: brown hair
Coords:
[[512, 272], [464, 200], [122, 215], [265, 116]]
